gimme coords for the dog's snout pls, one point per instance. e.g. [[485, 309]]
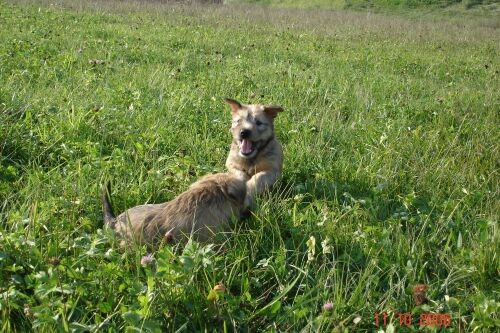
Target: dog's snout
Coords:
[[245, 133]]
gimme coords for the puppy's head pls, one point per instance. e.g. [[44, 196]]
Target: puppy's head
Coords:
[[252, 126]]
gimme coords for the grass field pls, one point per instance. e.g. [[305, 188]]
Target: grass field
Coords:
[[391, 143], [418, 7]]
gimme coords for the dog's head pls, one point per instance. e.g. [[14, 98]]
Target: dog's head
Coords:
[[252, 126]]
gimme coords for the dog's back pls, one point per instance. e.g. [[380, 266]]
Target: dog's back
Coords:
[[203, 209]]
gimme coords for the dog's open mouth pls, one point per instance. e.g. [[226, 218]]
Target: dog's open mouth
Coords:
[[246, 147]]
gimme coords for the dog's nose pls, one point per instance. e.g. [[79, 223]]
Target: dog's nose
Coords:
[[245, 133]]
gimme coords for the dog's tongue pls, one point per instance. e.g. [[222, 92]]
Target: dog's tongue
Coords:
[[246, 146]]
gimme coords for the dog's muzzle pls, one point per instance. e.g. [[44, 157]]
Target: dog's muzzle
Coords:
[[247, 147], [245, 134]]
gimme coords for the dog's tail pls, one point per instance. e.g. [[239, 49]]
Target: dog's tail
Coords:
[[109, 216]]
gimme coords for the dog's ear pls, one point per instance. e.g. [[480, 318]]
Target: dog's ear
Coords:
[[272, 110], [234, 104]]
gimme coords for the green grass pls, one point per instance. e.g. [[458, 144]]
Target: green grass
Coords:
[[391, 143], [371, 4], [430, 9], [325, 4]]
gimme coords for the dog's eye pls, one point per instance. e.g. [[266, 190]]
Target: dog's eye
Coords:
[[259, 123]]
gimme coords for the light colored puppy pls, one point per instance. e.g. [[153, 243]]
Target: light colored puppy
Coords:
[[255, 154], [203, 209]]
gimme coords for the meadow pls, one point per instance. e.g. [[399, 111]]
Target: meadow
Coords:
[[391, 143]]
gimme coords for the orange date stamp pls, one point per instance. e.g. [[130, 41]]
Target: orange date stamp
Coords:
[[424, 319]]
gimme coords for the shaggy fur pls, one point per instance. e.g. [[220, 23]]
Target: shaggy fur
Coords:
[[255, 156], [202, 210]]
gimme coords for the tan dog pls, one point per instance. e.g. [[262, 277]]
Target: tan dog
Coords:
[[203, 209], [255, 154]]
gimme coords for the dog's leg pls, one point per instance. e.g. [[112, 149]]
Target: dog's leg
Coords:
[[259, 183]]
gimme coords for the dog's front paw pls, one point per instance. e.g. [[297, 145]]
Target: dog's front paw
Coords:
[[249, 202], [245, 214]]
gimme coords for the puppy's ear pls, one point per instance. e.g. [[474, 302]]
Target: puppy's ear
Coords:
[[272, 110], [234, 104]]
